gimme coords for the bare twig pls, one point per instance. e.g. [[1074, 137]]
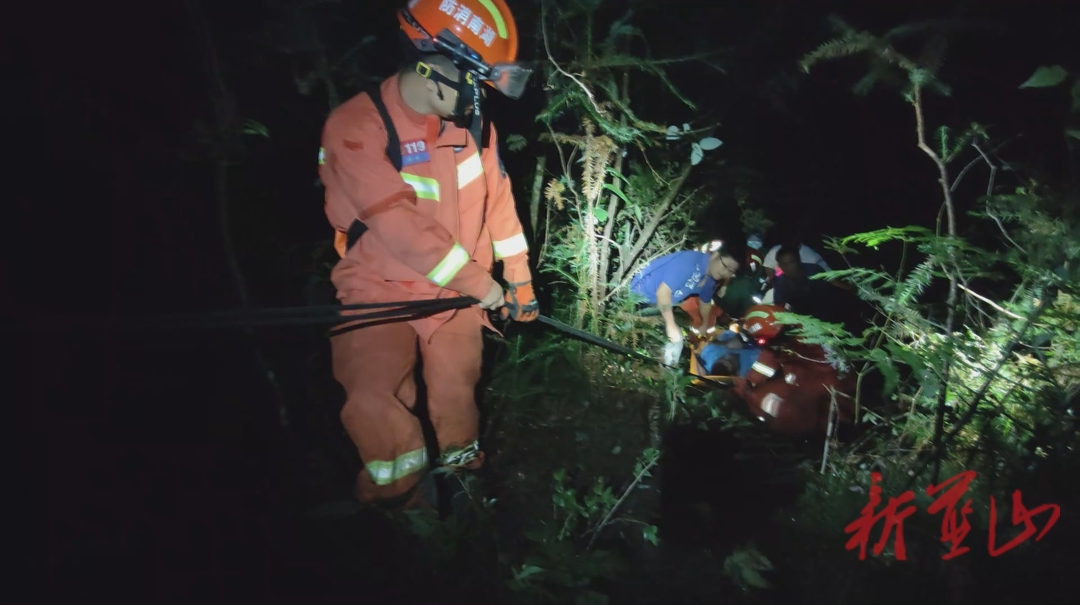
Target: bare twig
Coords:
[[996, 306], [950, 302], [555, 64], [993, 169], [607, 518], [833, 414], [657, 216], [619, 62]]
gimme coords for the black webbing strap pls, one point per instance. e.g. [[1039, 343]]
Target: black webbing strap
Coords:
[[393, 153]]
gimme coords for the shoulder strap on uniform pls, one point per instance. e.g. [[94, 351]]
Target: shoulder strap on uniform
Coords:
[[393, 146], [393, 153], [485, 132]]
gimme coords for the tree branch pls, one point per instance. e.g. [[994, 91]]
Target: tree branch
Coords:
[[950, 320], [619, 61], [555, 64], [654, 221], [613, 204]]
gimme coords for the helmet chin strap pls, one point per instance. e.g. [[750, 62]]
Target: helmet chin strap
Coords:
[[468, 95]]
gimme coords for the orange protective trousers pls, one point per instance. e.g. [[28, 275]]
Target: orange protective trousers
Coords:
[[375, 365]]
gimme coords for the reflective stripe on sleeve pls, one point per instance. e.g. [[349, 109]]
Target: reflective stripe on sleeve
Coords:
[[763, 369], [449, 266], [469, 170], [426, 189], [505, 248], [386, 472]]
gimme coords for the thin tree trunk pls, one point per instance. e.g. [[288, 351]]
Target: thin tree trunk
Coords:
[[613, 206], [950, 303], [227, 123], [536, 195], [654, 222]]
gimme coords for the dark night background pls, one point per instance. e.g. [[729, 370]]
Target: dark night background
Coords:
[[152, 466]]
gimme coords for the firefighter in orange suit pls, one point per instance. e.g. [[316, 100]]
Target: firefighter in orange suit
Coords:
[[430, 230], [788, 385]]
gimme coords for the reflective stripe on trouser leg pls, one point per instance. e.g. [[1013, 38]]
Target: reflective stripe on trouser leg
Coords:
[[375, 366], [452, 361], [763, 369]]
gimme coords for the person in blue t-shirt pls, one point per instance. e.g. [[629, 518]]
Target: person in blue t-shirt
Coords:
[[675, 278]]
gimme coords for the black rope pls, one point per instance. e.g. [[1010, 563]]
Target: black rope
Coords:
[[319, 315], [363, 320], [388, 312]]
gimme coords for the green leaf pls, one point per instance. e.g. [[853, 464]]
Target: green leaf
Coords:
[[516, 142], [617, 175], [255, 128], [527, 570], [600, 213], [617, 192], [649, 533], [1046, 76], [710, 143], [1073, 132], [888, 372]]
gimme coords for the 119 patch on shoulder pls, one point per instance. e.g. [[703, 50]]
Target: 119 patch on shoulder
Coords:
[[414, 152]]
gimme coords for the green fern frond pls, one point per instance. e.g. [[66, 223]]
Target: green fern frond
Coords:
[[865, 84], [915, 283], [960, 143], [943, 141], [557, 105], [860, 277], [932, 57], [923, 78], [836, 48], [909, 234], [660, 73]]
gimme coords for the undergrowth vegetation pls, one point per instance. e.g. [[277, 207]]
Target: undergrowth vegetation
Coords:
[[615, 481], [974, 347]]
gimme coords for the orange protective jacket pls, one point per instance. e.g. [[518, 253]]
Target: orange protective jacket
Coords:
[[434, 229], [789, 390]]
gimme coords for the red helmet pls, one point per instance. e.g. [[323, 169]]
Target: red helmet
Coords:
[[760, 322], [479, 35]]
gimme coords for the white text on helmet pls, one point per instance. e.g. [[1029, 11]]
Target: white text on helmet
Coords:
[[473, 22]]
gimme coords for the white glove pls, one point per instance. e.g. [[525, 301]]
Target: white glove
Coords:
[[672, 352]]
